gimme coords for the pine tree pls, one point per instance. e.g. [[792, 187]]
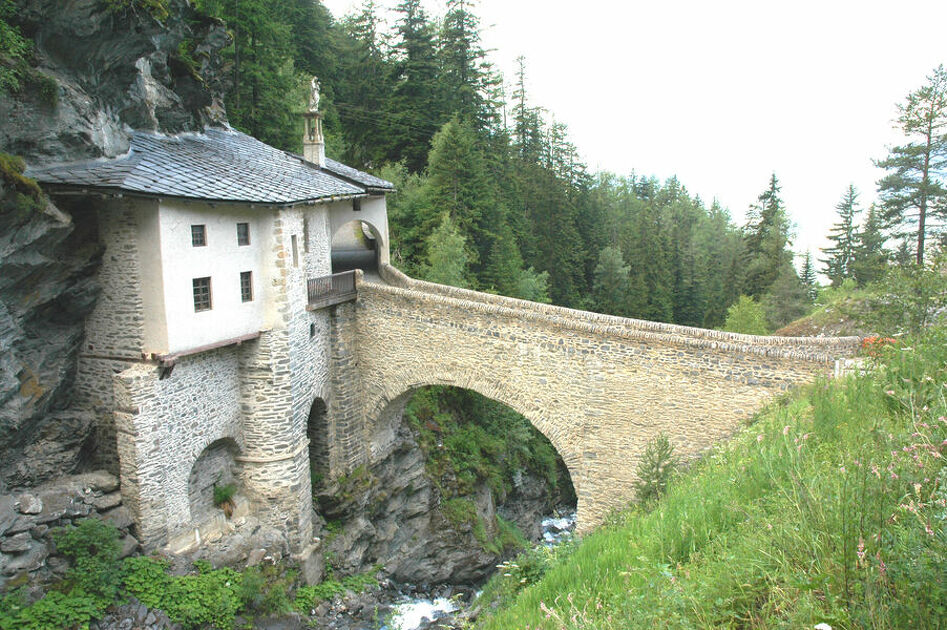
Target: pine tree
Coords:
[[363, 87], [841, 256], [787, 299], [262, 96], [913, 194], [466, 75], [808, 278], [871, 259], [415, 108], [766, 241]]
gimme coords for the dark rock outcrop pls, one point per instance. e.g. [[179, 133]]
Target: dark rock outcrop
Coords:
[[95, 74], [112, 70], [28, 519]]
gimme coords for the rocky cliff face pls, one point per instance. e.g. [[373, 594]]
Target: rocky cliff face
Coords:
[[95, 73]]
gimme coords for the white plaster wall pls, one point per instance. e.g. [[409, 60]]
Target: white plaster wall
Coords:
[[374, 212], [152, 280], [221, 259]]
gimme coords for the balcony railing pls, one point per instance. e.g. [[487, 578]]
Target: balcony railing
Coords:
[[329, 290]]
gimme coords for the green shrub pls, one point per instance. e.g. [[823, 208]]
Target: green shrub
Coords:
[[308, 597], [92, 548], [746, 316], [909, 299], [209, 598], [459, 512], [655, 469], [264, 590], [158, 9], [224, 494], [14, 49]]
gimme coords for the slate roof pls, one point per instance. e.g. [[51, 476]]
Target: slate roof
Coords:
[[215, 165], [359, 177]]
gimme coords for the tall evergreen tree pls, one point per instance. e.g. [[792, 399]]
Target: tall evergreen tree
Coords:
[[446, 255], [466, 75], [364, 84], [262, 96], [808, 278], [415, 108], [841, 255], [766, 241], [610, 291], [871, 259], [913, 193]]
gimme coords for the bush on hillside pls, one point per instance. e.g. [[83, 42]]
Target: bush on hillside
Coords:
[[746, 316]]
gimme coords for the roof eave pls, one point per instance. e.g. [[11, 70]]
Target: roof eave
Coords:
[[59, 188]]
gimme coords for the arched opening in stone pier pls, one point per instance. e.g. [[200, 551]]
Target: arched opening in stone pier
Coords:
[[214, 481], [356, 245]]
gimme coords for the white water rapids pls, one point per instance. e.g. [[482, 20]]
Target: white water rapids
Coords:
[[412, 613]]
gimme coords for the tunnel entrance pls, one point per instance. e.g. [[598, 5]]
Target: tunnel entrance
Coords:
[[355, 245]]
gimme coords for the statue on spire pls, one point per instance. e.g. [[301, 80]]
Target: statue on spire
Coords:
[[314, 95]]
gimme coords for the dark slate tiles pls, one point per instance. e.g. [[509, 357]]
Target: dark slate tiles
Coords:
[[216, 165]]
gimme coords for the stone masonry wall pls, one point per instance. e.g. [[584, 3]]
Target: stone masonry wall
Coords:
[[163, 427], [597, 387], [277, 386], [114, 330]]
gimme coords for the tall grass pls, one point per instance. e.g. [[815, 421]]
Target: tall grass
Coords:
[[830, 508]]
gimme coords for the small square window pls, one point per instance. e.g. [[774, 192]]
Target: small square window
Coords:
[[243, 234], [201, 294], [246, 286], [198, 235]]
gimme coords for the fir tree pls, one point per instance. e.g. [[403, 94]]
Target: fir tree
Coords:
[[841, 256], [610, 291], [466, 75], [766, 241], [808, 278], [415, 108], [871, 259]]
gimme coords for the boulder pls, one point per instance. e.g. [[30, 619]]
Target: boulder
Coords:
[[17, 544], [29, 503], [29, 560], [8, 513]]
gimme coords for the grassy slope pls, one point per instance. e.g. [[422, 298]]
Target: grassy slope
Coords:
[[837, 314], [830, 508]]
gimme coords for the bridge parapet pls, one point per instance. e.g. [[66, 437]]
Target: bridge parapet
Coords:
[[820, 349]]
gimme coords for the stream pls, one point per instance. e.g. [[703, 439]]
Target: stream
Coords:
[[420, 611]]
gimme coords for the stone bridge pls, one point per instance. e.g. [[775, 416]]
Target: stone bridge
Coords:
[[598, 387]]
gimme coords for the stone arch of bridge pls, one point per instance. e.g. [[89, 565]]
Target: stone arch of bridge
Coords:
[[385, 410], [358, 244]]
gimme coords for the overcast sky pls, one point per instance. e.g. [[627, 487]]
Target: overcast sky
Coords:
[[723, 93]]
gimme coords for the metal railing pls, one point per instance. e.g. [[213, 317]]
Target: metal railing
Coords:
[[329, 290]]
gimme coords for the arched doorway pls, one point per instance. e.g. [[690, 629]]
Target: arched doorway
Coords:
[[213, 476], [356, 245]]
